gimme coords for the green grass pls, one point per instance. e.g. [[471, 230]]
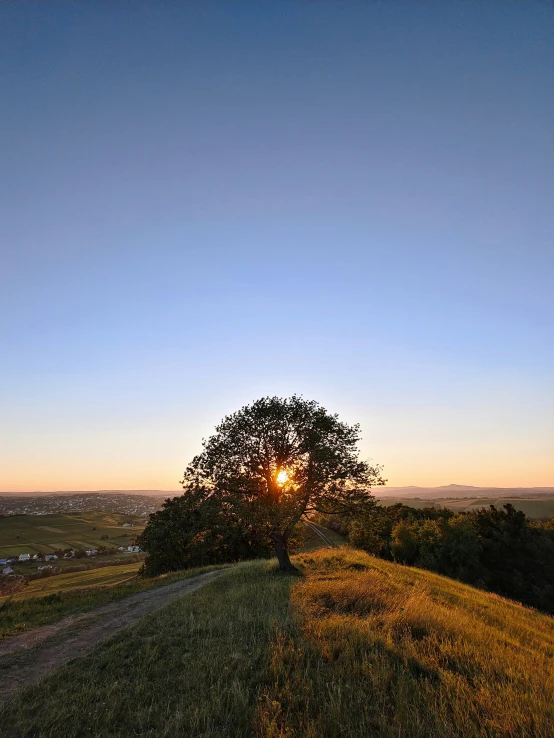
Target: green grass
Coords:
[[69, 594], [46, 533], [54, 597], [355, 647]]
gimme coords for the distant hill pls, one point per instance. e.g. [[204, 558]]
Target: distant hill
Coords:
[[450, 491], [446, 491]]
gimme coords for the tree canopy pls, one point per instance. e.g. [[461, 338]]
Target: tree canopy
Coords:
[[278, 459], [264, 467]]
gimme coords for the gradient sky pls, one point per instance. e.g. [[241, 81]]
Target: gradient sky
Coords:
[[204, 203]]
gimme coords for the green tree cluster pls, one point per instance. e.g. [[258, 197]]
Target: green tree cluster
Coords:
[[195, 530], [498, 550]]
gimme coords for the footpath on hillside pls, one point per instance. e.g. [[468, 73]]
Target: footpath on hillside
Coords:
[[320, 533], [27, 658]]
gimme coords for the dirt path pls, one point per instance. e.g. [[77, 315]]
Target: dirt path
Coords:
[[316, 529], [27, 658]]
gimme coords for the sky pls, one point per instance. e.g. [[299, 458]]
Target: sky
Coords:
[[206, 203]]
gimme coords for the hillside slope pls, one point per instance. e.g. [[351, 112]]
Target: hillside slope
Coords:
[[355, 647]]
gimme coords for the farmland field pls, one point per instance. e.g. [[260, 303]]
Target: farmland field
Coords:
[[46, 533], [106, 576], [539, 507]]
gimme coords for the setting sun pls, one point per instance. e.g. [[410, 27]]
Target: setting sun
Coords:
[[282, 477]]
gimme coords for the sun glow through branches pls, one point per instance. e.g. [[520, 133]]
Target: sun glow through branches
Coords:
[[282, 477]]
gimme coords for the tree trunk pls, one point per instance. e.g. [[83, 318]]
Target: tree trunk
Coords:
[[280, 539]]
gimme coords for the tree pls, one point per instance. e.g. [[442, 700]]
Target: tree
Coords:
[[277, 460], [373, 535], [405, 545], [451, 546], [196, 530]]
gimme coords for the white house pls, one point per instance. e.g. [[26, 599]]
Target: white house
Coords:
[[133, 549], [50, 557], [24, 557], [3, 562], [7, 570], [92, 552]]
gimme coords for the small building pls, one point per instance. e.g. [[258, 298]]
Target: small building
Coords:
[[50, 557], [92, 552], [127, 525], [3, 562], [7, 570], [24, 557], [133, 549]]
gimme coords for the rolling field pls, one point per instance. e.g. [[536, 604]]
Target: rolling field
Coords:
[[539, 507], [46, 533], [354, 646], [107, 576]]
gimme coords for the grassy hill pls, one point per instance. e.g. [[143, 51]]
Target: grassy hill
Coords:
[[356, 646], [46, 533]]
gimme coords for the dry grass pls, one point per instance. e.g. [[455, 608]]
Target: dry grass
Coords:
[[388, 650]]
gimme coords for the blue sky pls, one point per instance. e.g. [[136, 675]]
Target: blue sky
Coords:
[[206, 203]]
